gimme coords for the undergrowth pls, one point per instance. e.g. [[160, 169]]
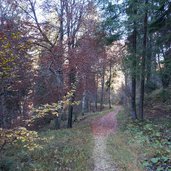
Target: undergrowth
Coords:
[[51, 150], [142, 145]]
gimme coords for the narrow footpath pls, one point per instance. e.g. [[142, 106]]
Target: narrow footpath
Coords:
[[101, 129]]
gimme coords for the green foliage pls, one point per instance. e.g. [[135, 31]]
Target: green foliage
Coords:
[[62, 150], [165, 71], [45, 109], [158, 163], [162, 18], [153, 135], [10, 44], [160, 96], [165, 95], [150, 86], [111, 38], [47, 112], [16, 136], [68, 149], [111, 24], [43, 115], [142, 144]]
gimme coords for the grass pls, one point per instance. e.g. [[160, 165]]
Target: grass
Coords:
[[53, 150], [141, 146], [62, 150], [124, 153]]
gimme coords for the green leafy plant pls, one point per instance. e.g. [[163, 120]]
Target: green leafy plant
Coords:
[[16, 136]]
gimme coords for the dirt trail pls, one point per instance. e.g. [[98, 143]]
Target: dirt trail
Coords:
[[101, 129]]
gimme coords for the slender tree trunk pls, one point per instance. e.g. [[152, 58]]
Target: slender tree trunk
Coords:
[[133, 99], [110, 77], [61, 37], [96, 96], [58, 122], [85, 102], [72, 81], [126, 88], [3, 125], [134, 65], [149, 60], [70, 114], [166, 74], [3, 108], [141, 105], [72, 98], [72, 22], [95, 101], [102, 89]]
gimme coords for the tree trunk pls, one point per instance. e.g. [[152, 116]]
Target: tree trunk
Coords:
[[96, 103], [57, 122], [96, 96], [134, 65], [141, 102], [60, 62], [84, 102], [166, 70], [109, 90], [72, 80], [3, 109], [102, 90], [126, 91], [70, 113], [149, 60]]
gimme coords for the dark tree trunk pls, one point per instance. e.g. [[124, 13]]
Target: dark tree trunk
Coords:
[[96, 95], [165, 74], [72, 80], [57, 122], [141, 103], [102, 89], [149, 60], [70, 114], [133, 99], [2, 107], [134, 65], [110, 77]]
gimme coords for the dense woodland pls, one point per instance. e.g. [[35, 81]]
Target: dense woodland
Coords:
[[63, 59]]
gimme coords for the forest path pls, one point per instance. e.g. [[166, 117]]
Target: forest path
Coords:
[[101, 129]]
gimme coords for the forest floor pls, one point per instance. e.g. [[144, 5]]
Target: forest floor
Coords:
[[101, 129], [101, 141], [58, 150]]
